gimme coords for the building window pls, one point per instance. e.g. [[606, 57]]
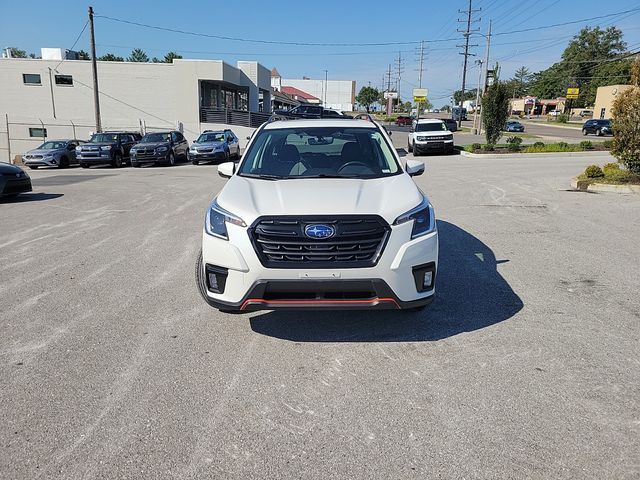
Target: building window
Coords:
[[31, 79], [38, 132], [603, 112], [64, 80]]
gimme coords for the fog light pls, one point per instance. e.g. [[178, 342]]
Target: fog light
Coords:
[[424, 276], [427, 280], [216, 278]]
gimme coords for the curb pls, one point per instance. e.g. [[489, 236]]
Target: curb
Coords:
[[604, 187], [534, 155]]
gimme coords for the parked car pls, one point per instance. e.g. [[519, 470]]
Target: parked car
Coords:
[[403, 120], [597, 127], [586, 113], [457, 113], [214, 145], [319, 214], [436, 110], [107, 148], [309, 111], [451, 124], [160, 148], [53, 153], [554, 113], [428, 135], [13, 180], [514, 126]]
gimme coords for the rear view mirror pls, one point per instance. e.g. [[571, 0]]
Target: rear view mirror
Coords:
[[415, 168], [226, 169]]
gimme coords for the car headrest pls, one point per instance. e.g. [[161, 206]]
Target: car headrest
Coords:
[[288, 154]]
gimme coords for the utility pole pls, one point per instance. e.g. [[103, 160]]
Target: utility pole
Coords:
[[466, 33], [94, 67], [486, 73], [400, 71], [389, 99], [475, 110], [326, 78], [421, 64]]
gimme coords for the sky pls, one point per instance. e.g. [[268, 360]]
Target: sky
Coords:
[[369, 35]]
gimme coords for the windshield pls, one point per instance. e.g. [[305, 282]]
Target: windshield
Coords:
[[156, 137], [333, 152], [52, 145], [104, 138], [211, 137], [430, 127]]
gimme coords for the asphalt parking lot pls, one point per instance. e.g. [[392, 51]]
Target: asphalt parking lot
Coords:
[[525, 366]]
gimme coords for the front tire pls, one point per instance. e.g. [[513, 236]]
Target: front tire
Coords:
[[584, 132], [84, 165], [64, 162], [117, 161], [171, 160], [599, 132], [409, 147], [195, 162], [33, 167]]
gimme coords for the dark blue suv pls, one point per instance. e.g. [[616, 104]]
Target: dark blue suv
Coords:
[[597, 127]]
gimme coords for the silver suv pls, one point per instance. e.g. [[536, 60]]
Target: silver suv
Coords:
[[53, 153]]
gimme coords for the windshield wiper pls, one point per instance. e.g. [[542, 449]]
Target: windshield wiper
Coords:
[[327, 175], [264, 176]]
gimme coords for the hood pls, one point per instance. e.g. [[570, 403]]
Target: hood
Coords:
[[151, 145], [87, 146], [439, 133], [8, 169], [208, 144], [44, 152], [388, 197]]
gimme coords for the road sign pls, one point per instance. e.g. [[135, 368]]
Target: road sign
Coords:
[[420, 95], [389, 95], [573, 93]]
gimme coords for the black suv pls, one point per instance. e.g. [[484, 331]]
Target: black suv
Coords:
[[107, 148], [597, 127], [160, 148], [309, 111]]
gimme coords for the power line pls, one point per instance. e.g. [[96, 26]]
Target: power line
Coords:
[[466, 33], [74, 44]]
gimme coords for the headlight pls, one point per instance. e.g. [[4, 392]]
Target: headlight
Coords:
[[423, 219], [215, 221], [192, 148], [78, 149], [219, 148], [133, 151], [161, 149]]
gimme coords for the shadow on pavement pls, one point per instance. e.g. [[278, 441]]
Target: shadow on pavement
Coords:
[[30, 197], [471, 295]]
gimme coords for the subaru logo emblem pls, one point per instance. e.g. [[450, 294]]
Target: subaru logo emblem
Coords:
[[319, 231]]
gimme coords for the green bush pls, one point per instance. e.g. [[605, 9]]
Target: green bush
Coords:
[[563, 146], [611, 168], [476, 146], [562, 118], [489, 147], [593, 171], [539, 144], [586, 145], [515, 140], [607, 144]]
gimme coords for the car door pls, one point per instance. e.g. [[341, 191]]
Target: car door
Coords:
[[126, 141], [234, 148], [181, 145], [71, 151]]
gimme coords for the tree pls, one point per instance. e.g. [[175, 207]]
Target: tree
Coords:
[[17, 53], [495, 105], [367, 96], [579, 64], [626, 123], [110, 57], [138, 55], [445, 108], [83, 55], [468, 95], [520, 82], [171, 56]]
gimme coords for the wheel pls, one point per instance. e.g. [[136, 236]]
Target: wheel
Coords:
[[64, 162], [117, 161], [33, 167], [584, 131], [416, 152], [226, 155], [84, 165], [409, 147], [171, 160], [195, 162], [237, 155], [599, 132]]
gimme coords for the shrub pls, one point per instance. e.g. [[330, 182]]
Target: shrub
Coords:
[[611, 168], [563, 146], [476, 146], [593, 171], [562, 118], [586, 145], [515, 140], [626, 118], [607, 144], [489, 147], [539, 144], [495, 104]]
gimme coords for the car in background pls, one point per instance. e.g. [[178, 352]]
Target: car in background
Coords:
[[458, 113], [514, 126], [403, 121], [451, 124], [213, 146], [160, 148], [53, 153], [436, 110], [597, 127], [13, 180], [554, 113], [309, 111], [586, 113], [107, 148], [428, 135]]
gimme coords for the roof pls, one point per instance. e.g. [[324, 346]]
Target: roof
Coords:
[[274, 72], [321, 122], [277, 95], [430, 120], [296, 92]]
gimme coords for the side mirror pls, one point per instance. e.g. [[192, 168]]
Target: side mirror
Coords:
[[226, 169], [195, 141], [414, 168], [248, 137]]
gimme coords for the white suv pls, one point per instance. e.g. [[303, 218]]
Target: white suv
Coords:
[[428, 135], [319, 214]]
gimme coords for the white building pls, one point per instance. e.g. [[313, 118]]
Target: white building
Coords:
[[335, 94], [55, 98]]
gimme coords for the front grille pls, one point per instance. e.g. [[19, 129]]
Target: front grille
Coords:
[[280, 242], [145, 153], [204, 150], [435, 138]]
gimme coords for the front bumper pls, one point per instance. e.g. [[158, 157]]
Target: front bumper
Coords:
[[161, 157], [94, 158], [249, 285], [206, 157], [41, 162], [426, 146], [13, 186]]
